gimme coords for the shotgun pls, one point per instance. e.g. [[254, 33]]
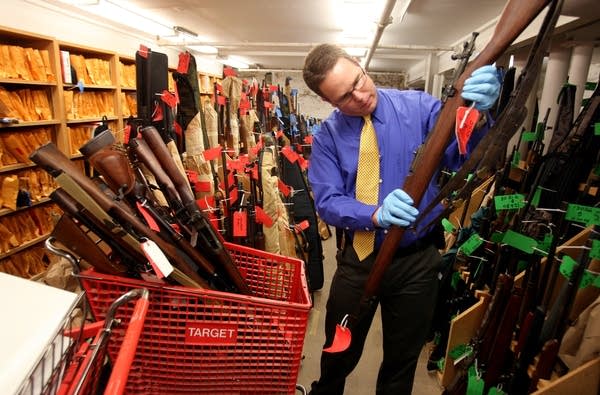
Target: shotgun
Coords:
[[516, 16]]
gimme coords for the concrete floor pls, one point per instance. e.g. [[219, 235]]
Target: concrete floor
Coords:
[[362, 380]]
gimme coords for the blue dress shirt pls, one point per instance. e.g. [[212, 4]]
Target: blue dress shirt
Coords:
[[402, 120]]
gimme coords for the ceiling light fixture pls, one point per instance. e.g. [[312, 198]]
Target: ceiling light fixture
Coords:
[[204, 49], [233, 61], [183, 31]]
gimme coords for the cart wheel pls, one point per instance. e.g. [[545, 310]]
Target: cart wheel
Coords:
[[301, 389]]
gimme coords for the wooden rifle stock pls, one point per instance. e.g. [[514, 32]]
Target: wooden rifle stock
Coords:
[[516, 16], [56, 163], [207, 236], [68, 233]]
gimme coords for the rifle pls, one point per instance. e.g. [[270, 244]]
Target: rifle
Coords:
[[514, 19], [207, 237]]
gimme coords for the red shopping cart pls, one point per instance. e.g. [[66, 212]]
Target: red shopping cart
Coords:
[[200, 341]]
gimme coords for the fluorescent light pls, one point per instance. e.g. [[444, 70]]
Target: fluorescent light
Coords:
[[114, 11], [358, 19]]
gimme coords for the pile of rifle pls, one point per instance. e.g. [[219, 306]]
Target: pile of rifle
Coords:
[[511, 252]]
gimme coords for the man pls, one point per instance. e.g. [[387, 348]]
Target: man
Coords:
[[401, 120]]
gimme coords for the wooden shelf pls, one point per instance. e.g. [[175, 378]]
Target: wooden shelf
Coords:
[[24, 246], [6, 211]]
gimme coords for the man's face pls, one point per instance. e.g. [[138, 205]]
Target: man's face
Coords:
[[350, 89]]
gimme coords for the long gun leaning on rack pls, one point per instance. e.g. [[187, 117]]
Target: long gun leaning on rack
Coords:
[[514, 19]]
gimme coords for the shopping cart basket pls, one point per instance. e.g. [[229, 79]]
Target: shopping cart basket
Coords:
[[202, 341]]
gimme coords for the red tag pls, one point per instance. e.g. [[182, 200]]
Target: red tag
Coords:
[[302, 162], [254, 172], [273, 88], [240, 224], [466, 118], [168, 98], [202, 186], [177, 128], [158, 114], [308, 139], [184, 62], [147, 217], [229, 72], [221, 100], [218, 88], [210, 333], [289, 154], [255, 150], [192, 176], [285, 189], [301, 226], [262, 218], [206, 203], [233, 195], [279, 133], [230, 179], [126, 134], [268, 104], [212, 153], [143, 51]]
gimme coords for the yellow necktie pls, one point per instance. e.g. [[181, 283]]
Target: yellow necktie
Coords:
[[367, 184]]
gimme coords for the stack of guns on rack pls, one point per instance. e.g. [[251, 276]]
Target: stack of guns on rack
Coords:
[[522, 256], [187, 177]]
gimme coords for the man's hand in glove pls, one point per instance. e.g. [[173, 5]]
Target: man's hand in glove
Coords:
[[482, 87], [396, 210]]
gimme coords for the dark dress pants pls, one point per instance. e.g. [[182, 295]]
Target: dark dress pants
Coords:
[[407, 298]]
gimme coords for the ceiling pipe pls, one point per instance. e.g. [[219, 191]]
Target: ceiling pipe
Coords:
[[385, 20]]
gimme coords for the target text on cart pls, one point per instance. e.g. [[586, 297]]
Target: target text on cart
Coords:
[[210, 333]]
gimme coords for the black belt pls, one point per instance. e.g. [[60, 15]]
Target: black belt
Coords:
[[432, 238]]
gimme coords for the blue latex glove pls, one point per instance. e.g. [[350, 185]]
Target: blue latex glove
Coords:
[[482, 87], [396, 210]]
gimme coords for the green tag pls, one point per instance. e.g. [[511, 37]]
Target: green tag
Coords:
[[540, 129], [544, 245], [519, 241], [460, 351], [566, 266], [448, 226], [587, 279], [586, 214], [509, 202], [475, 383], [497, 237], [496, 391], [535, 201], [516, 159], [440, 364], [455, 279], [597, 170], [529, 136], [521, 265], [471, 175], [469, 246], [597, 129], [590, 86], [595, 251], [597, 282]]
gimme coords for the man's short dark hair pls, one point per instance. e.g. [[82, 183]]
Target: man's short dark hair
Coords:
[[319, 61]]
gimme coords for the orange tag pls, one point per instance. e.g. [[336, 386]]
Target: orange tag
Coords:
[[192, 176], [184, 62], [268, 104], [147, 217], [240, 224], [289, 154], [212, 153], [301, 226], [177, 128], [158, 113], [285, 189], [143, 51], [261, 217], [127, 134], [168, 98], [229, 72], [303, 163], [273, 88], [221, 100], [466, 118], [308, 139]]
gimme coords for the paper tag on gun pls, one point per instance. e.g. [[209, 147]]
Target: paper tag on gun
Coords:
[[157, 259], [466, 118]]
